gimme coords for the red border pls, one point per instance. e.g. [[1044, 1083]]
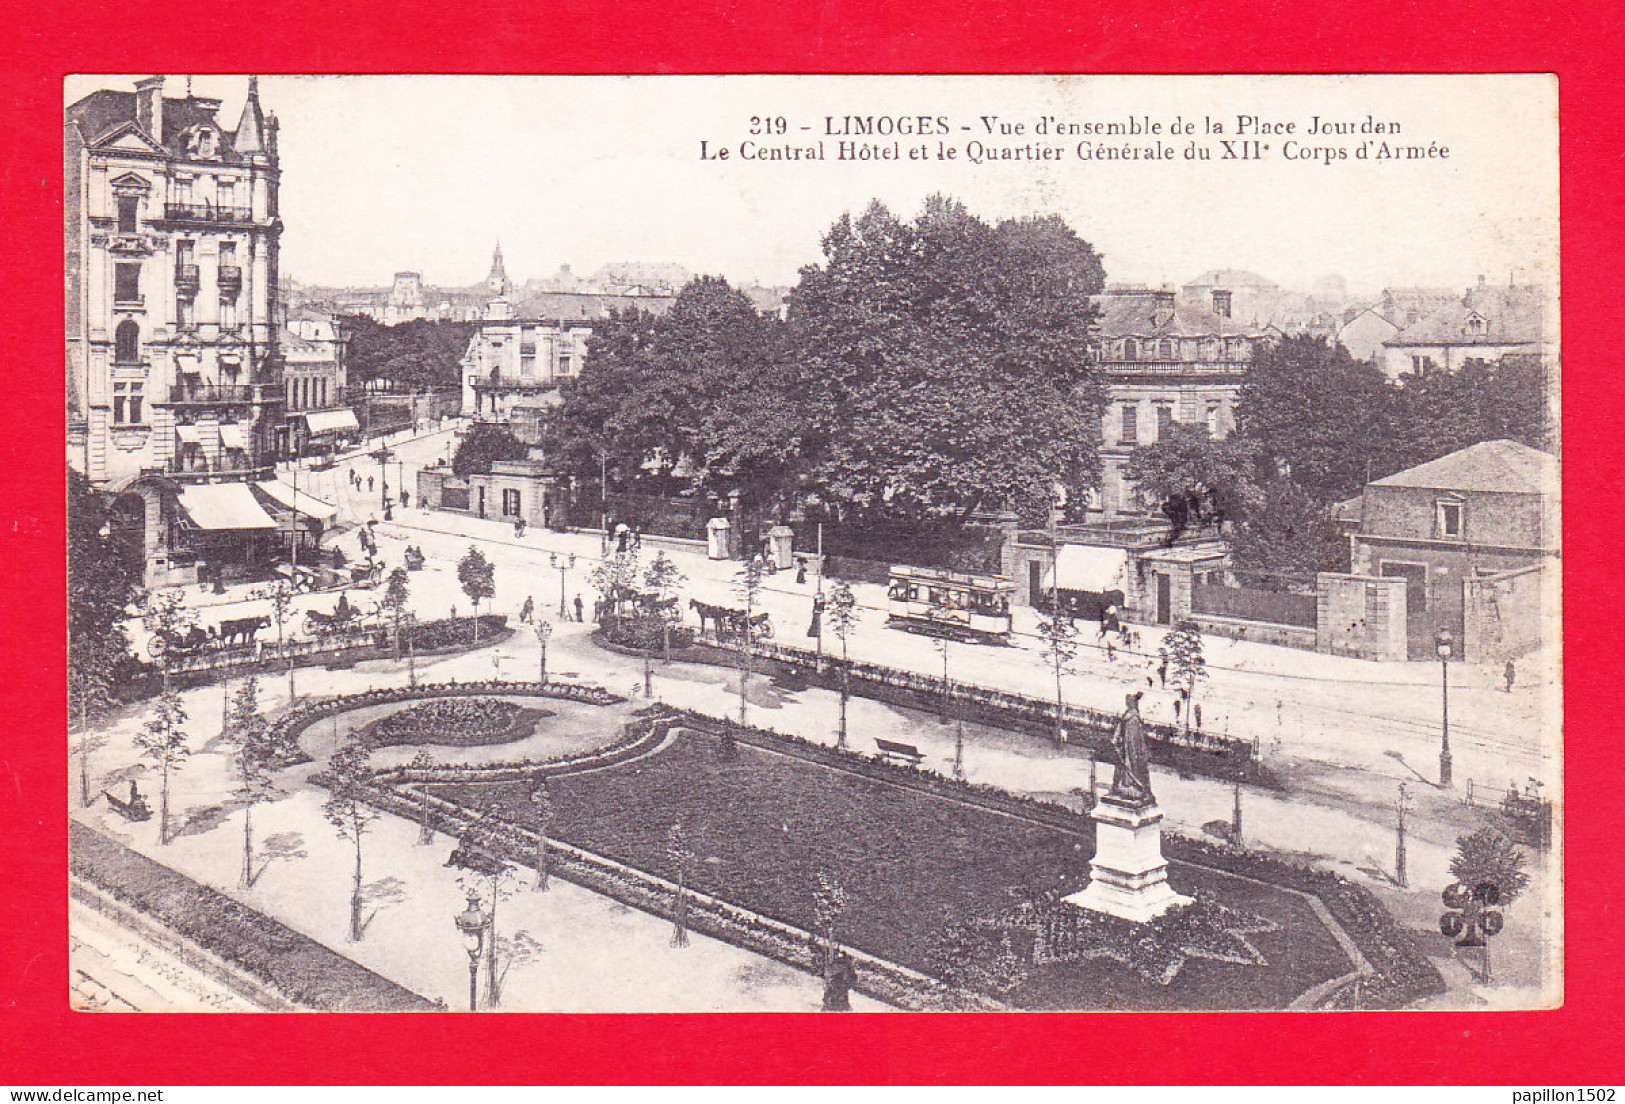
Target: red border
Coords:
[[42, 1043]]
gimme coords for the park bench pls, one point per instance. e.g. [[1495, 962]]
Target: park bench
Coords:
[[902, 753], [473, 856]]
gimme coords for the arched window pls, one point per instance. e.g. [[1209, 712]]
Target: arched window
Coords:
[[1165, 350], [127, 342], [1131, 349]]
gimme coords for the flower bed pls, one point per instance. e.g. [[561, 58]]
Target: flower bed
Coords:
[[454, 634], [286, 728], [642, 635], [455, 722]]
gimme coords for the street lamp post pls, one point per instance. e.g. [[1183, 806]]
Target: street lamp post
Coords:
[[562, 564], [1443, 641], [544, 629], [472, 923]]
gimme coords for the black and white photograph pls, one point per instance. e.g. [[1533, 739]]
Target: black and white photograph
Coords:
[[635, 544]]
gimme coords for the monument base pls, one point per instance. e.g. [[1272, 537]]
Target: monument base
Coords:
[[1128, 877]]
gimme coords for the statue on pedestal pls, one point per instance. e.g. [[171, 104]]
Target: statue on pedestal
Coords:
[[1132, 782]]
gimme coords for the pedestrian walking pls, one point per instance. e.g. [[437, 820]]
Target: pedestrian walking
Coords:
[[578, 609], [801, 572], [1196, 714], [406, 498], [1178, 705], [526, 610], [1111, 654], [370, 482], [1162, 672], [1510, 674]]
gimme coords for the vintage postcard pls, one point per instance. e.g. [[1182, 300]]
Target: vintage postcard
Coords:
[[752, 544]]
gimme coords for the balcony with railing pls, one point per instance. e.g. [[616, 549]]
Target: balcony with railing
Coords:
[[215, 394], [208, 213], [231, 278], [526, 384], [1173, 367], [187, 277]]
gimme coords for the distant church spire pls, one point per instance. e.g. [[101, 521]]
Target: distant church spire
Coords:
[[497, 282]]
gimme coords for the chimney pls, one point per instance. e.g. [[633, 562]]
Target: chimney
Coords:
[[1163, 299], [1481, 280], [1221, 303], [149, 106]]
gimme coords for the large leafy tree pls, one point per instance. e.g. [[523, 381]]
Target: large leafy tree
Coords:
[[1438, 412], [605, 417], [1319, 417], [700, 387], [102, 579], [484, 444], [417, 354], [1191, 477], [945, 361]]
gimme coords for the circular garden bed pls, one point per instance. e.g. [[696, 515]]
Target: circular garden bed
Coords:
[[455, 722]]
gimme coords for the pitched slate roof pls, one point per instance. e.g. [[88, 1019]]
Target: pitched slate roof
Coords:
[[1500, 466], [1233, 278], [567, 306], [1513, 315]]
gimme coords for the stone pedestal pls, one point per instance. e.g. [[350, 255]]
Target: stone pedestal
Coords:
[[1128, 875]]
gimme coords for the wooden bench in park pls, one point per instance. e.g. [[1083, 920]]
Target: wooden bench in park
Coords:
[[901, 753]]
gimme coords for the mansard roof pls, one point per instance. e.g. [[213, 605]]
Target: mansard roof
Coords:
[[103, 115], [1141, 314]]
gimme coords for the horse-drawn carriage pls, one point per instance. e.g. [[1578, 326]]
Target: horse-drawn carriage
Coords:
[[346, 616], [730, 624], [414, 558], [231, 633]]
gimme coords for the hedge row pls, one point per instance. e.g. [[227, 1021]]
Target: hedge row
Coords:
[[1198, 752], [298, 968]]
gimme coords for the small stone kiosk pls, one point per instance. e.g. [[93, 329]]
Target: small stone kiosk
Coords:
[[1128, 875]]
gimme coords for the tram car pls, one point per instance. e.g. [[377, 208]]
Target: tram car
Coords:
[[949, 603]]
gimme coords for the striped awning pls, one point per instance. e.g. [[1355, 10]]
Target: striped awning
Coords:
[[233, 436]]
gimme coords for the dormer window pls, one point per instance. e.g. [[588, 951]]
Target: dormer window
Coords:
[[203, 142], [1476, 326]]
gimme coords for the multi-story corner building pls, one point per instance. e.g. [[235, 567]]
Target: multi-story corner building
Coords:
[[1164, 362], [174, 376], [520, 352], [171, 230]]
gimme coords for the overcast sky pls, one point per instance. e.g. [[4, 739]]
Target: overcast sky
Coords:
[[425, 173]]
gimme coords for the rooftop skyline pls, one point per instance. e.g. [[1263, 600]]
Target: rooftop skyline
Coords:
[[391, 173]]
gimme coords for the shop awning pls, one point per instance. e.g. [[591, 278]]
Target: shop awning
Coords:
[[190, 434], [1089, 567], [331, 421], [285, 495], [233, 437], [224, 506]]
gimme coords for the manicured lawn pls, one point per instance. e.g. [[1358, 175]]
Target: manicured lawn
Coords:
[[763, 825]]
